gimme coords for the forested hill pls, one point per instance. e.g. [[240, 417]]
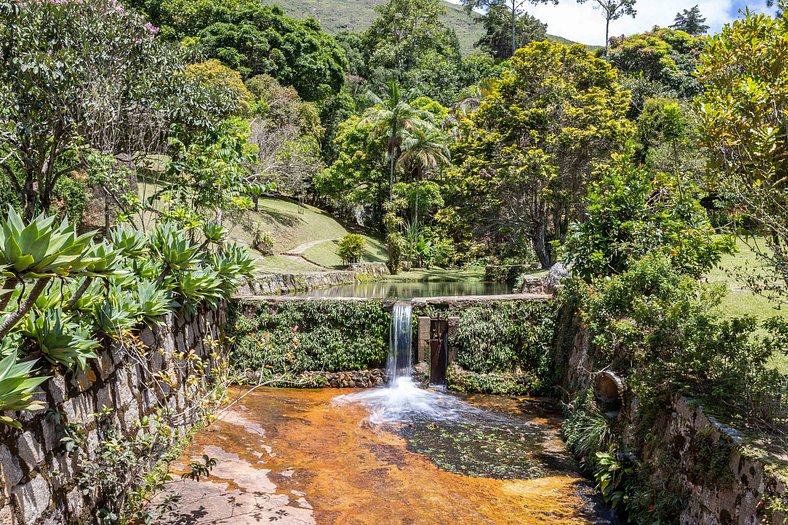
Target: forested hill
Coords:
[[357, 15]]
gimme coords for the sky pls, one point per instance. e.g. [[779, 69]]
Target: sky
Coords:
[[582, 23]]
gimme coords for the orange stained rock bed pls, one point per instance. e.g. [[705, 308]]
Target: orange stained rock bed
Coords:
[[292, 457]]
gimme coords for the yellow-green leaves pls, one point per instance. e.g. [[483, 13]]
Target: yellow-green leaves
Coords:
[[16, 388], [43, 248]]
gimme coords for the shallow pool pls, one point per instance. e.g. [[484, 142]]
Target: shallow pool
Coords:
[[332, 457]]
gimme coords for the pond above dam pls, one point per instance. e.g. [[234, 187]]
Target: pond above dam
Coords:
[[395, 289], [316, 456]]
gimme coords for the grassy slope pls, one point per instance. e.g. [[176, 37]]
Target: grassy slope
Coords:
[[741, 301], [292, 225], [357, 15]]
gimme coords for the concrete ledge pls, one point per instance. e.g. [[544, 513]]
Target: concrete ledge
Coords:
[[454, 300]]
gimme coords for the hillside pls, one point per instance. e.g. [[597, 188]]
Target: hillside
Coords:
[[357, 15]]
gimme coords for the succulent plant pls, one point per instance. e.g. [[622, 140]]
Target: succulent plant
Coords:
[[129, 241], [154, 302], [17, 388], [61, 342], [176, 251], [42, 248]]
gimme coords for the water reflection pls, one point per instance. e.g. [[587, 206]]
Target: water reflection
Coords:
[[400, 289]]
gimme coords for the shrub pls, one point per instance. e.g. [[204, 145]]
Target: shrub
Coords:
[[663, 330], [263, 241], [290, 338], [351, 248]]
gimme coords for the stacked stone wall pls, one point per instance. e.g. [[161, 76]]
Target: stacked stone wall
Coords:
[[39, 475]]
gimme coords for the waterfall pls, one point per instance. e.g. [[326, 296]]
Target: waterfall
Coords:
[[400, 360]]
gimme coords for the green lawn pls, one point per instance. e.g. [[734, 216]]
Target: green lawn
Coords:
[[325, 253], [292, 225], [740, 300]]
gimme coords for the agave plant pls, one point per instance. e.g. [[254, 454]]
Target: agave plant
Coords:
[[60, 342], [117, 313], [231, 264], [42, 248], [176, 251], [199, 285], [146, 268], [91, 294], [17, 387], [214, 233], [154, 302], [39, 250], [131, 242]]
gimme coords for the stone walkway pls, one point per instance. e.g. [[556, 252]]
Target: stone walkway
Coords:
[[238, 491]]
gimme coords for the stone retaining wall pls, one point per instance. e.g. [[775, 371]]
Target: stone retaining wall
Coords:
[[39, 477], [285, 283], [685, 442]]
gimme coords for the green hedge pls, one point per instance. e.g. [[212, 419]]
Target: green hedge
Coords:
[[504, 337], [288, 338]]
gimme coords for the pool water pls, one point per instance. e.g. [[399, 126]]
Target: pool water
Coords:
[[393, 289], [352, 457]]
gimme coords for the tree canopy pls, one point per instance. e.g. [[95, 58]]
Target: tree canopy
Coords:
[[525, 156]]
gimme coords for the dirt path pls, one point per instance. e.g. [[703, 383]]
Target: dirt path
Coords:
[[301, 248]]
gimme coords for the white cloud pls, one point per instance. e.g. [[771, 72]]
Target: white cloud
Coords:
[[583, 23]]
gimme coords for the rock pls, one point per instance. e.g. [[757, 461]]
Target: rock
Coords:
[[557, 273]]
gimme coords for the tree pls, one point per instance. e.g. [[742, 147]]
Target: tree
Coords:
[[82, 76], [525, 156], [658, 63], [497, 40], [632, 212], [287, 133], [393, 119], [613, 10], [255, 39], [690, 21], [744, 72], [406, 34], [515, 9]]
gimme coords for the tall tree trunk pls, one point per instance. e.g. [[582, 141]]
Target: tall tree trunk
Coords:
[[514, 25], [391, 176], [541, 248], [607, 36]]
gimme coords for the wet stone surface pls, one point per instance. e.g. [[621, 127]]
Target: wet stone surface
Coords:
[[300, 457]]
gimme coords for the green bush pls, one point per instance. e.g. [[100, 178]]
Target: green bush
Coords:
[[662, 329], [351, 248], [282, 339], [72, 195]]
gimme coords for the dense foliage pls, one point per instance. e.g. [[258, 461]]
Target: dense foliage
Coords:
[[525, 156], [255, 40], [278, 341], [745, 79], [632, 213]]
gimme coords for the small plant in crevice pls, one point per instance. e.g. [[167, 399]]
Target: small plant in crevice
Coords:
[[199, 469], [587, 429]]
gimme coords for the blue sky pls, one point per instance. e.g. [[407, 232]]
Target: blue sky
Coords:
[[583, 23]]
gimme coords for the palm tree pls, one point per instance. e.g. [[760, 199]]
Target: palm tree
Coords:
[[393, 118], [424, 152]]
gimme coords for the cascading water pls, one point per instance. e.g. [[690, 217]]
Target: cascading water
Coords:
[[399, 364], [402, 399]]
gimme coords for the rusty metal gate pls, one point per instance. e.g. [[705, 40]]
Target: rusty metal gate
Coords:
[[439, 350]]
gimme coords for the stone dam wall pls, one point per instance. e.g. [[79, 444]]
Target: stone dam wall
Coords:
[[285, 283], [40, 477]]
